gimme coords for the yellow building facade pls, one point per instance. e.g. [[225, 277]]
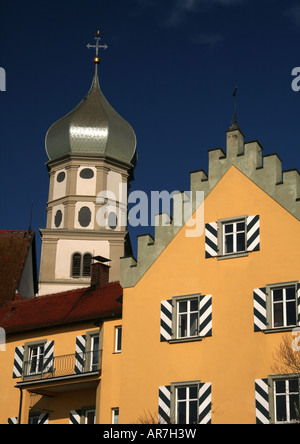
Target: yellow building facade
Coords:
[[61, 361], [204, 321]]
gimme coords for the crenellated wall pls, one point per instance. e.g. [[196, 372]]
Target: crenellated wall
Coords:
[[265, 171]]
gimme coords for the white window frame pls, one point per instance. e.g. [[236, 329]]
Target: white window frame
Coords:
[[39, 356], [86, 415], [284, 302], [287, 395], [115, 412], [234, 233], [187, 400], [118, 339], [188, 316], [93, 351]]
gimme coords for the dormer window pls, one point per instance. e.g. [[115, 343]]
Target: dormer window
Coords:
[[81, 265]]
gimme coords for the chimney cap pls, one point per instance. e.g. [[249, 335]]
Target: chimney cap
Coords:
[[101, 259]]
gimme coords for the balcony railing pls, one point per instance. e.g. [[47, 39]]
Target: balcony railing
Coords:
[[65, 365]]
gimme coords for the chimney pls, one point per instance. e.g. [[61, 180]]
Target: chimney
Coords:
[[99, 274]]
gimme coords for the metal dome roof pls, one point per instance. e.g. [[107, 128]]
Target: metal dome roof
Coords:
[[93, 128]]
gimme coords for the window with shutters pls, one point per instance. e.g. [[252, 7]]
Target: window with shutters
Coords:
[[187, 324], [186, 402], [36, 359], [186, 318], [94, 361], [284, 397], [81, 265], [232, 237], [34, 418], [89, 416], [282, 305]]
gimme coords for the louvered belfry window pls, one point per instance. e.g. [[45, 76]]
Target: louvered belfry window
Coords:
[[81, 265], [76, 265], [87, 258]]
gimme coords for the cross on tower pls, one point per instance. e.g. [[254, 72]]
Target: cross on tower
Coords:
[[235, 121], [97, 46]]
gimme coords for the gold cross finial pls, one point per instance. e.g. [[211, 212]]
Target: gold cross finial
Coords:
[[97, 46]]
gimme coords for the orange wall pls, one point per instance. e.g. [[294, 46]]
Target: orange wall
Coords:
[[235, 355]]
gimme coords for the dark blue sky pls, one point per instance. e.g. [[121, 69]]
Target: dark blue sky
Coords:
[[170, 70]]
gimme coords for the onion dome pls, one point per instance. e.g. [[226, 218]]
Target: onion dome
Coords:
[[93, 128]]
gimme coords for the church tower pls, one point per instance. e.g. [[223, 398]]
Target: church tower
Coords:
[[92, 155]]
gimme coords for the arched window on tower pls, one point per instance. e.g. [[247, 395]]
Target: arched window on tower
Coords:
[[86, 269], [76, 265], [81, 265]]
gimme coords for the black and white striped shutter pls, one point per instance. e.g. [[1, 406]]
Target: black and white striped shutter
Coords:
[[80, 354], [205, 403], [211, 240], [262, 401], [13, 420], [164, 405], [298, 297], [253, 233], [260, 309], [18, 362], [205, 321], [48, 356], [75, 417], [43, 418], [166, 320]]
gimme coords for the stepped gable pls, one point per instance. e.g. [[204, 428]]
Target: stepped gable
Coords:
[[265, 171]]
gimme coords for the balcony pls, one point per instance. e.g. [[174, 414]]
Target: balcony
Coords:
[[64, 366]]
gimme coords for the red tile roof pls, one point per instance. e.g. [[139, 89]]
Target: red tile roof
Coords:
[[14, 249], [85, 304]]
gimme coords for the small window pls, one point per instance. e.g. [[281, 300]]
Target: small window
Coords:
[[284, 306], [33, 419], [187, 318], [186, 404], [234, 237], [61, 177], [286, 400], [112, 221], [76, 265], [84, 217], [87, 259], [81, 265], [36, 360], [94, 353], [118, 339], [58, 218], [89, 416], [86, 173], [115, 416]]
